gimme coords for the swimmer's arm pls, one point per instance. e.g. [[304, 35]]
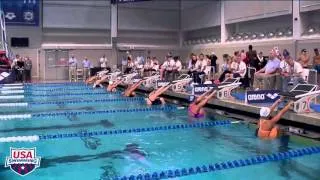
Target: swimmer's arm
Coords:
[[274, 105], [276, 118]]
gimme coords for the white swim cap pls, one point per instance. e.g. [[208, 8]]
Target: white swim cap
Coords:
[[110, 82], [208, 82], [264, 112]]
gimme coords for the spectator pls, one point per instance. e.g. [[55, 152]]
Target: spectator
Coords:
[[244, 57], [86, 64], [234, 64], [252, 57], [304, 58], [213, 58], [316, 60], [15, 60], [241, 67], [139, 62], [155, 66], [296, 73], [201, 65], [285, 71], [103, 62], [209, 69], [72, 67], [27, 69], [19, 68], [164, 67], [4, 62], [177, 66], [192, 63], [225, 67], [169, 75], [265, 77], [262, 61], [147, 66], [130, 65]]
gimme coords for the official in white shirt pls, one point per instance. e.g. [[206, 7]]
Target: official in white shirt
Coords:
[[241, 68], [72, 67], [86, 64], [103, 62], [296, 71]]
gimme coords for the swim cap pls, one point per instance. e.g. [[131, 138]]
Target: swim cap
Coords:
[[264, 112], [110, 82]]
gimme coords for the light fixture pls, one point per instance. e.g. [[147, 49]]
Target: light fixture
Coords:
[[213, 39], [203, 41], [245, 36], [261, 35], [198, 41], [208, 40], [194, 41], [231, 38], [189, 42], [279, 33], [238, 37], [253, 36], [270, 35], [311, 30], [289, 32]]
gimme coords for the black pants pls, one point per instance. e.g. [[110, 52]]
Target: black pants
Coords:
[[196, 76], [27, 75], [223, 75], [128, 70]]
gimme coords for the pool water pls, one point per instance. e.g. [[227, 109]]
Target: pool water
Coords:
[[118, 155]]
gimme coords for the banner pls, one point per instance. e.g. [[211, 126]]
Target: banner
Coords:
[[262, 96], [202, 88], [161, 83], [21, 12]]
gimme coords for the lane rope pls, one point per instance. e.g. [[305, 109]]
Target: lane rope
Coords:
[[12, 97], [68, 113], [22, 104], [207, 168], [12, 91], [119, 131], [72, 94]]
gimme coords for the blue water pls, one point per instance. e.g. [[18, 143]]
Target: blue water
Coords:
[[104, 157]]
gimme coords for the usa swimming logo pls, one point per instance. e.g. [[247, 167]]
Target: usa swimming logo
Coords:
[[23, 161]]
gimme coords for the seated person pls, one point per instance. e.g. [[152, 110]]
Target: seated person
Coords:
[[154, 99], [241, 68], [225, 67], [148, 65], [267, 128], [96, 77], [130, 65], [192, 64], [316, 60], [196, 108], [129, 92], [113, 85], [265, 77], [164, 67]]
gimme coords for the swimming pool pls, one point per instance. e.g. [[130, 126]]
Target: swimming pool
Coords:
[[95, 135]]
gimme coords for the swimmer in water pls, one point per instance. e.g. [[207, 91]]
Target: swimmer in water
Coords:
[[196, 108], [154, 99], [113, 85], [129, 92], [267, 128], [96, 77]]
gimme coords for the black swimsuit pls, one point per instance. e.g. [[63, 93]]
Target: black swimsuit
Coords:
[[156, 101]]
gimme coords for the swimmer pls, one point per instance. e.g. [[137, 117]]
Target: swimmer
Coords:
[[92, 79], [113, 85], [267, 128], [196, 108], [154, 99], [99, 81], [129, 92]]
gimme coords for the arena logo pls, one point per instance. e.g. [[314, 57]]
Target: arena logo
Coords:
[[199, 89], [23, 161], [262, 96], [162, 83]]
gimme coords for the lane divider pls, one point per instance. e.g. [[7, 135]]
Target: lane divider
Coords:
[[68, 113], [12, 91], [13, 84], [120, 131], [11, 87], [30, 104], [60, 89], [72, 94], [52, 83], [255, 160], [22, 104], [12, 97]]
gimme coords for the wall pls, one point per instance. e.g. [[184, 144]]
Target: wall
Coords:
[[199, 14], [237, 11]]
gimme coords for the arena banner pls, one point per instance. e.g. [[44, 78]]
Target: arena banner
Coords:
[[161, 83], [202, 88], [21, 12], [262, 96]]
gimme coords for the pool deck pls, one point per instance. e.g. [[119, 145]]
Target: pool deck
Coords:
[[234, 106]]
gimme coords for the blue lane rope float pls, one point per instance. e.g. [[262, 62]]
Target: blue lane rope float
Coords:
[[72, 94], [30, 104], [207, 168], [119, 131], [69, 113], [315, 107]]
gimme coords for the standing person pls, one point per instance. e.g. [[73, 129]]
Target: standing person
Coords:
[[213, 59], [316, 60], [72, 67], [130, 65], [27, 69], [20, 70], [86, 64], [262, 61], [304, 58], [164, 66], [252, 58], [285, 71], [177, 66], [103, 62]]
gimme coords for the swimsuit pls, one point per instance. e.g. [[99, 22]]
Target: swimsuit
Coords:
[[156, 101], [273, 133], [197, 115]]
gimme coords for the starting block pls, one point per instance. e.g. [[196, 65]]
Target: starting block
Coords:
[[226, 87], [180, 84], [302, 95], [129, 77], [151, 81]]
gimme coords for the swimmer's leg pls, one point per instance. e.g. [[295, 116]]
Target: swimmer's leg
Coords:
[[163, 102], [275, 132]]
